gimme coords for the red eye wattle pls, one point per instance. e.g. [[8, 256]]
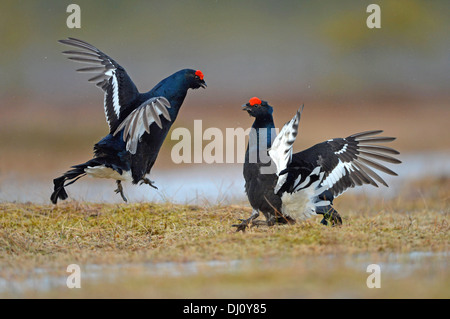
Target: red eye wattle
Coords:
[[199, 74], [254, 101]]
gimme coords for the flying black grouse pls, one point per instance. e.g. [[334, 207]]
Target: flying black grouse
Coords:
[[138, 122], [288, 187]]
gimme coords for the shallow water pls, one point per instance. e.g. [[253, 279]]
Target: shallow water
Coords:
[[204, 184], [397, 265]]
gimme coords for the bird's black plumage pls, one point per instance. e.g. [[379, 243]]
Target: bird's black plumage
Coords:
[[138, 122], [259, 186], [291, 187]]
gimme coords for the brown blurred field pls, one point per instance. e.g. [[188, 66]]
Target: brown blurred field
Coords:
[[349, 77], [46, 139]]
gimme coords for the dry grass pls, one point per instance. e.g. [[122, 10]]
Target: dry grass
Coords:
[[290, 261]]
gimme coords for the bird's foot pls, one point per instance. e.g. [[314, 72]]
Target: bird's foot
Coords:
[[148, 182], [283, 219], [258, 223], [243, 225], [119, 190], [334, 218], [245, 222], [250, 222]]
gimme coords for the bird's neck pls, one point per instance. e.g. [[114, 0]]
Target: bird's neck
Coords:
[[265, 121], [264, 128], [174, 88], [260, 138], [177, 98]]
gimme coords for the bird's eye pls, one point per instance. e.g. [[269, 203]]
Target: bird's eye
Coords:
[[197, 77]]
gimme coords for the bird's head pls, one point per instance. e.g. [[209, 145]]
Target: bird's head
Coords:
[[257, 108], [195, 79]]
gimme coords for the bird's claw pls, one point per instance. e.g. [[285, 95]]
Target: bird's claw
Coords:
[[119, 190], [333, 217], [242, 226], [335, 221], [148, 182]]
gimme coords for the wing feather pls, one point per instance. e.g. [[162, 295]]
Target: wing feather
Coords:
[[138, 122], [281, 149], [120, 91], [344, 162], [155, 116]]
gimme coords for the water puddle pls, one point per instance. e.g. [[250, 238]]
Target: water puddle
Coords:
[[204, 184], [397, 265]]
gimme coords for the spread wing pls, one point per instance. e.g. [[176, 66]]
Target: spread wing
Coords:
[[341, 163], [139, 121], [281, 150], [120, 91]]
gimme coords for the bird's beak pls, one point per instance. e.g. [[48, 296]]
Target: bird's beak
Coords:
[[245, 107], [203, 84]]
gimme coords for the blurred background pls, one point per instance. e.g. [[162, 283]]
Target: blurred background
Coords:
[[317, 53]]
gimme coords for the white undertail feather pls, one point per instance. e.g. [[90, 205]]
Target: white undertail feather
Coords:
[[102, 171], [302, 205], [281, 150]]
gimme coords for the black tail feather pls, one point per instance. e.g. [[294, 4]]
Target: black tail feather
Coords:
[[59, 192]]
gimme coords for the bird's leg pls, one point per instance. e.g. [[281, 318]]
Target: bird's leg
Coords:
[[329, 215], [147, 181], [245, 222], [283, 219], [120, 190], [328, 212]]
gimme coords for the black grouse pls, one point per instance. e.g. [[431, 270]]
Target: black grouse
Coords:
[[288, 187], [138, 122]]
